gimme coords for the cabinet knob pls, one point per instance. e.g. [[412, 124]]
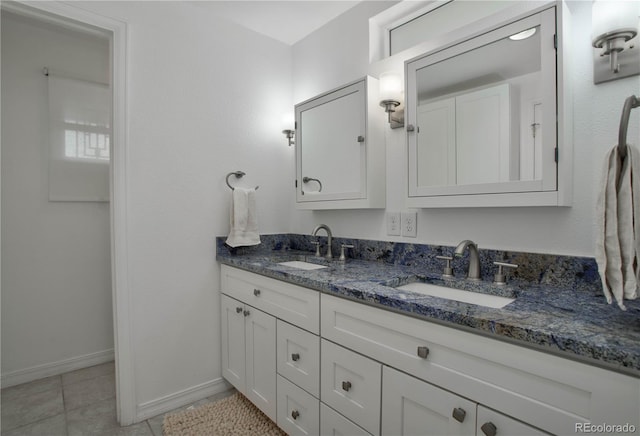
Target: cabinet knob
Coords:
[[360, 138], [346, 385], [423, 352], [489, 429], [256, 292], [459, 414], [238, 309], [410, 128], [295, 357], [247, 313], [295, 414]]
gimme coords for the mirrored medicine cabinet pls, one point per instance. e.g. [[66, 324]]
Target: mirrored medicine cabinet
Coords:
[[487, 122], [340, 149]]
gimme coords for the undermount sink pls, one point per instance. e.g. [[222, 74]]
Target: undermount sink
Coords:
[[480, 299], [302, 265]]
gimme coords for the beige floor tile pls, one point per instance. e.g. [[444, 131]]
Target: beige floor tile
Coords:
[[31, 388], [54, 426], [88, 373], [86, 392]]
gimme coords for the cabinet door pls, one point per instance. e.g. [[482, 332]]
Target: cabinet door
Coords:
[[492, 423], [298, 357], [260, 336], [334, 424], [413, 407], [351, 384], [298, 412], [233, 345]]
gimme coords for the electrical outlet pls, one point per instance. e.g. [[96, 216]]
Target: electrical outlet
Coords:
[[409, 224], [393, 223]]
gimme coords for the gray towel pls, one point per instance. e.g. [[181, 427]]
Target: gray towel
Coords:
[[618, 229]]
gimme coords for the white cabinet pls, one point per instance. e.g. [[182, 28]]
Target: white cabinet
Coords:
[[248, 353], [334, 424], [547, 391], [298, 357], [298, 412], [412, 407], [492, 423], [351, 384], [340, 149]]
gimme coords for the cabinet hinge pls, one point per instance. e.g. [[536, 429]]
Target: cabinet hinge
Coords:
[[295, 125], [556, 154], [555, 41], [296, 183]]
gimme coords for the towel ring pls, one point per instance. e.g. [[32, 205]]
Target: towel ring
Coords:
[[629, 103], [238, 174]]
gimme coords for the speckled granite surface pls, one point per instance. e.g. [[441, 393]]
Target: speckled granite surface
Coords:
[[559, 305]]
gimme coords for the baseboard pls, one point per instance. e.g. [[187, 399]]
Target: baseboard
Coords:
[[170, 402], [55, 368]]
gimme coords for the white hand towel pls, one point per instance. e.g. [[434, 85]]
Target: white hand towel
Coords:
[[618, 228], [244, 220]]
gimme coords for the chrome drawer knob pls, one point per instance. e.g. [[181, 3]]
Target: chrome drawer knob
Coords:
[[346, 385], [295, 414], [489, 429], [423, 352], [459, 414], [256, 292], [238, 309], [295, 357]]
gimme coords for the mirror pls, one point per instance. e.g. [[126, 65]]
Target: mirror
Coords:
[[340, 149], [484, 113], [330, 136]]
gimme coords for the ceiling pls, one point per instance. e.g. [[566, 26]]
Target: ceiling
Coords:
[[287, 21]]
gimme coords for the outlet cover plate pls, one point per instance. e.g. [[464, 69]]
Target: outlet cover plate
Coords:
[[393, 223], [409, 224]]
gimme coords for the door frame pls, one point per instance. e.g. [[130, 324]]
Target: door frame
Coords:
[[70, 16]]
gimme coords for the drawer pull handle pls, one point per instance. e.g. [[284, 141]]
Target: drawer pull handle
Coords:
[[459, 414], [238, 309], [423, 352], [346, 385], [247, 313], [295, 357], [489, 429], [256, 292], [295, 414]]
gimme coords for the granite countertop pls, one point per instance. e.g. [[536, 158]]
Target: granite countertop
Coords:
[[573, 323]]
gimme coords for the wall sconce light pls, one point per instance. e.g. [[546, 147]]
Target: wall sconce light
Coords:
[[614, 24], [391, 97], [288, 127]]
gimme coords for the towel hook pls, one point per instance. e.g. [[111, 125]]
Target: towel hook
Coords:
[[238, 174], [629, 103]]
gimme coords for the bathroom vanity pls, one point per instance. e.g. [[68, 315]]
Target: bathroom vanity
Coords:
[[341, 349]]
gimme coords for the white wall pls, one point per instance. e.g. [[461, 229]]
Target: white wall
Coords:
[[205, 97], [338, 53], [56, 281]]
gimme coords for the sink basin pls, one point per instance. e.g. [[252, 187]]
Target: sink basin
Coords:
[[302, 265], [486, 300]]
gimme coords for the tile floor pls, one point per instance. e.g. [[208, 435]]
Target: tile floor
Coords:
[[78, 403]]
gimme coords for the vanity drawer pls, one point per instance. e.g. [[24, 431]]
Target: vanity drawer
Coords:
[[298, 357], [547, 391], [351, 383], [334, 424], [295, 304], [298, 412]]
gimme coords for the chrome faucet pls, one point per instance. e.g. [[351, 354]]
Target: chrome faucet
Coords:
[[329, 238], [474, 260]]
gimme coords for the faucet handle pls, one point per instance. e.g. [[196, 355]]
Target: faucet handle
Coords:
[[500, 278], [342, 256], [317, 244], [448, 271]]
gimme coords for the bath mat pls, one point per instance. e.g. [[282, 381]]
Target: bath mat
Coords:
[[231, 416]]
